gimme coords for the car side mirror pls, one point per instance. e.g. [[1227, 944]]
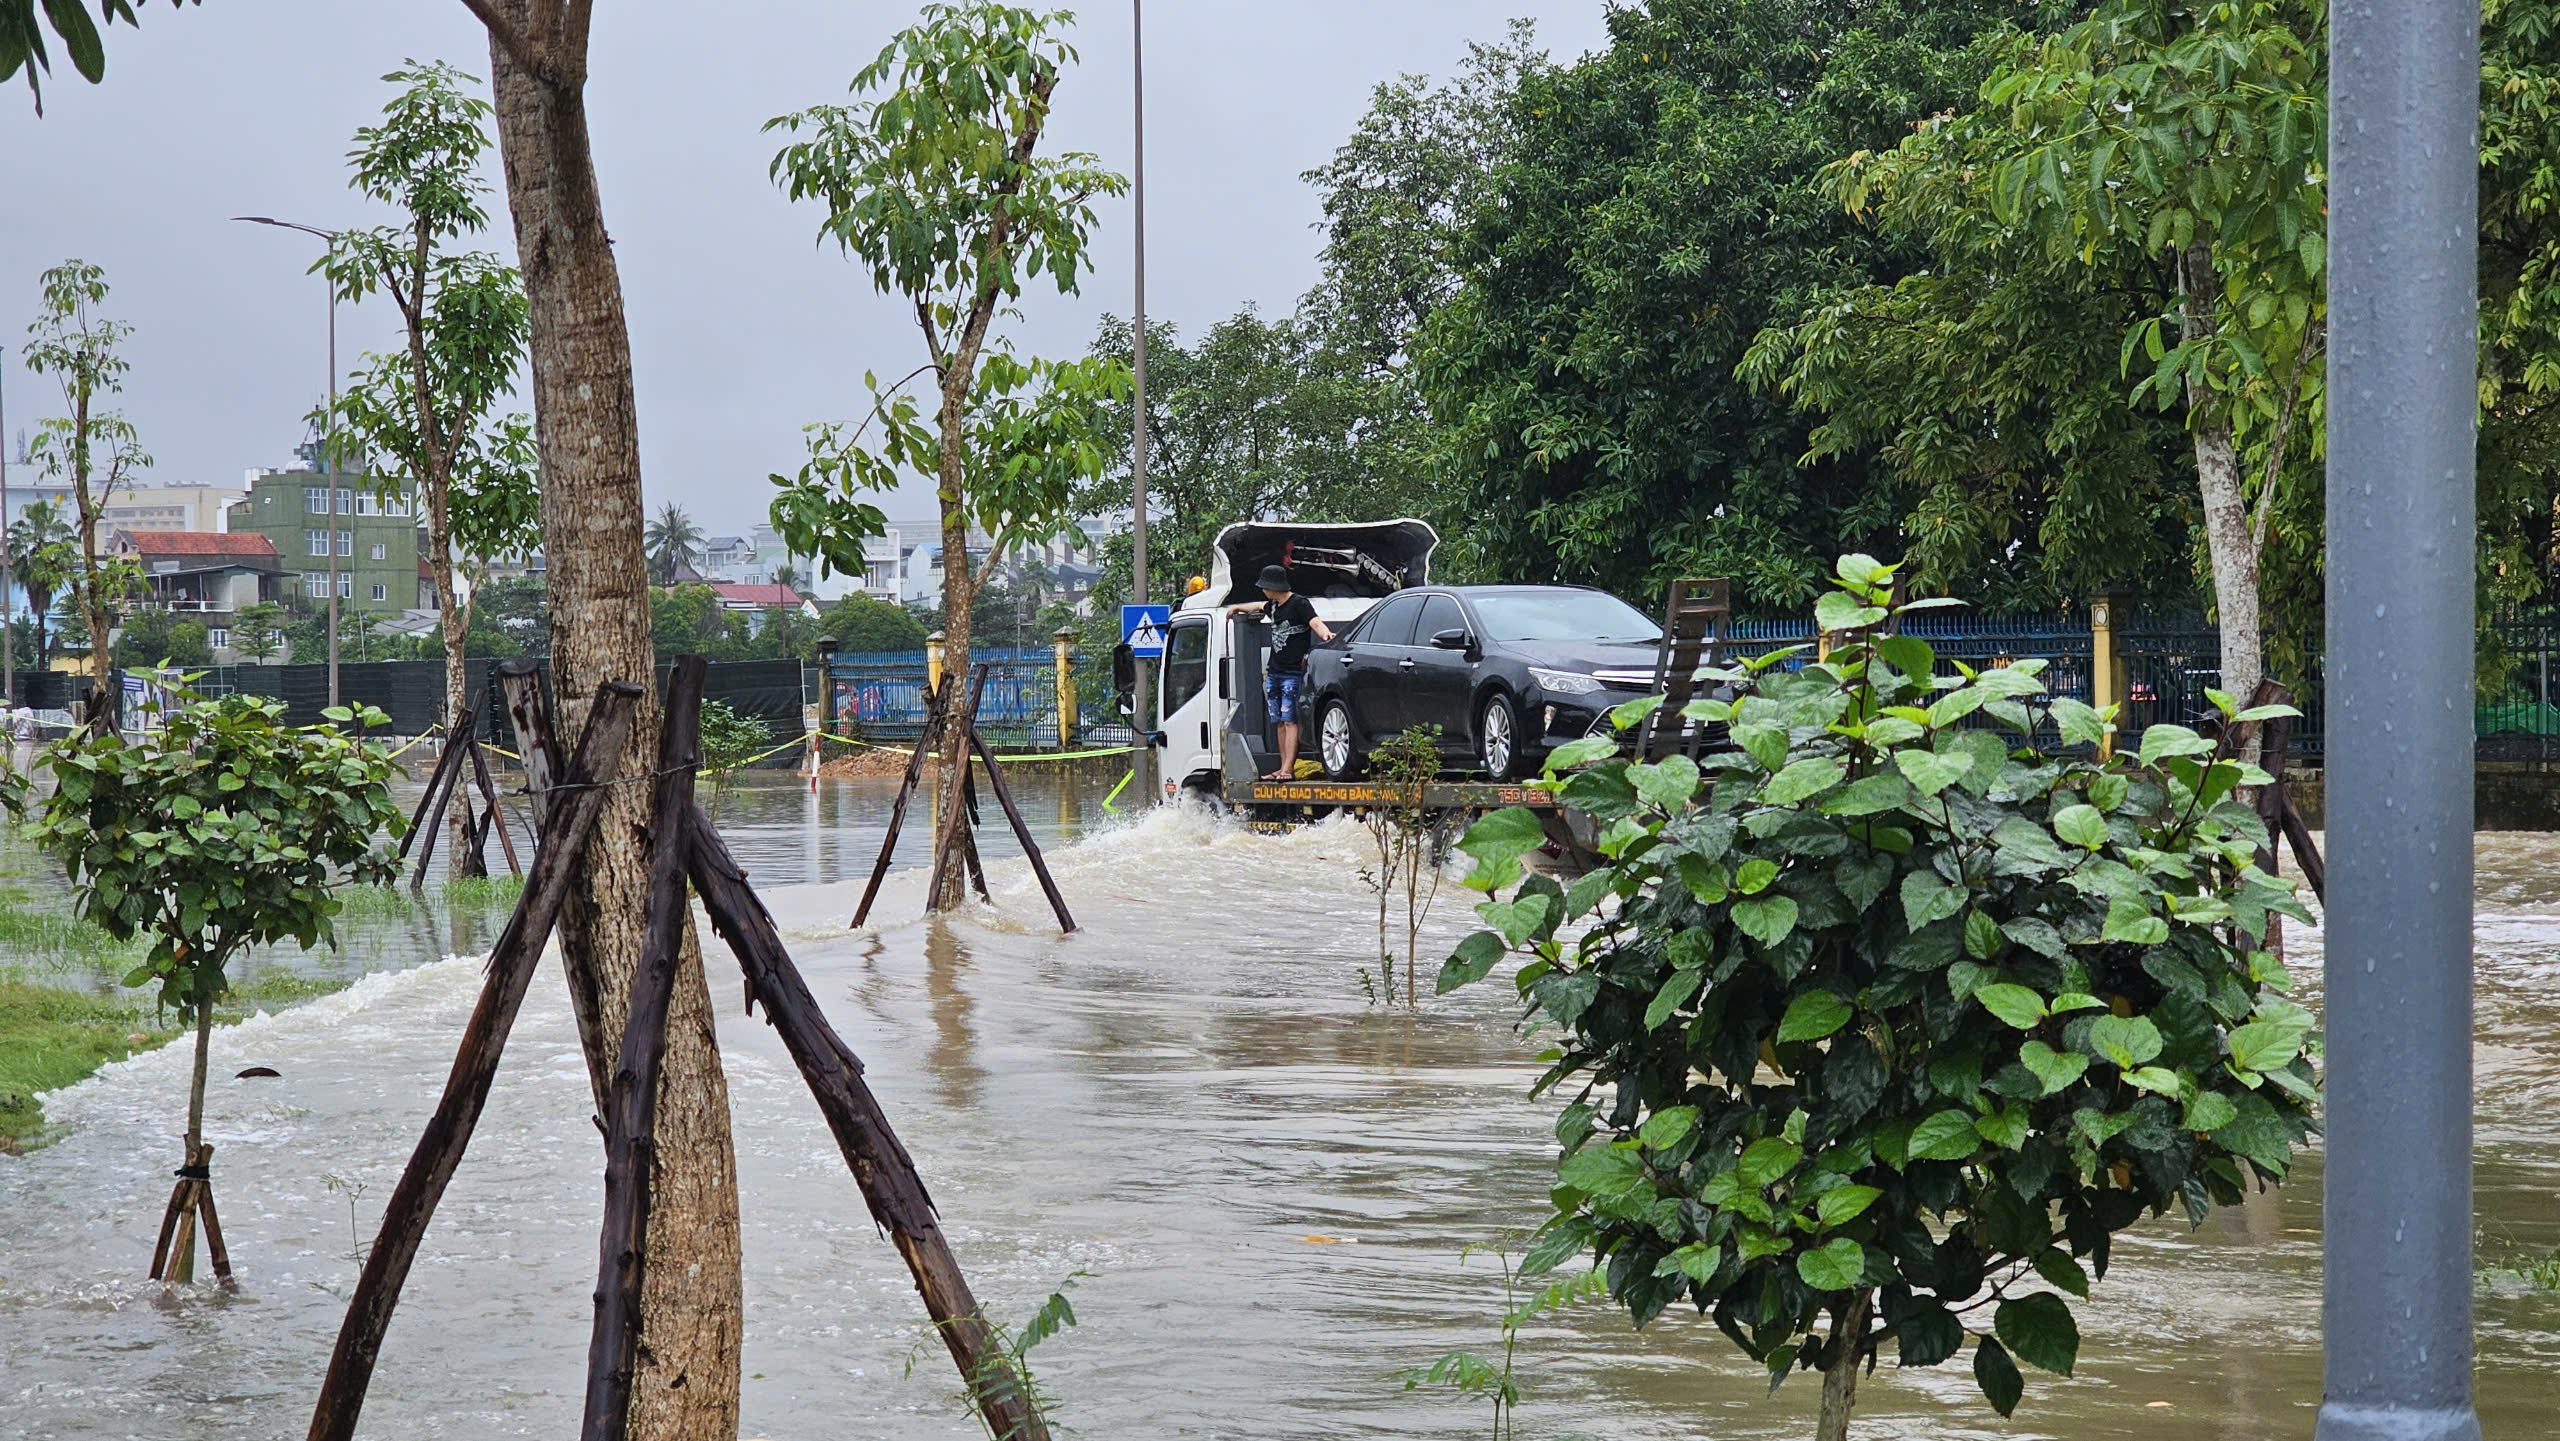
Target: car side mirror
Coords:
[[1454, 638], [1124, 670]]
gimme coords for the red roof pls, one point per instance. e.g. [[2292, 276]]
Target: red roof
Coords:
[[200, 542], [762, 597]]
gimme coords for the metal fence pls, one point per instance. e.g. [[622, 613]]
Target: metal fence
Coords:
[[884, 698], [1978, 641]]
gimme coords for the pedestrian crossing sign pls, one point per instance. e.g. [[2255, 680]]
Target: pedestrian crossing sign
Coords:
[[1143, 627]]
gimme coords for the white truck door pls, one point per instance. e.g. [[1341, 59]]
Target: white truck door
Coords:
[[1185, 701]]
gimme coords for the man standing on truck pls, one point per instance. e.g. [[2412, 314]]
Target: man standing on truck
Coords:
[[1292, 618]]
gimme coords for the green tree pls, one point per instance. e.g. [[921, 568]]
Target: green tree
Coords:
[[257, 631], [222, 830], [96, 450], [1659, 203], [510, 616], [689, 620], [22, 42], [152, 636], [426, 417], [674, 542], [939, 190], [40, 561], [1886, 1012], [867, 625]]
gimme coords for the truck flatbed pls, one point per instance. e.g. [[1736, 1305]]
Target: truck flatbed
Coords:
[[1242, 787]]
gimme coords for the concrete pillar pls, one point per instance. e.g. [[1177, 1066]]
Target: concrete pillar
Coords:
[[2106, 664]]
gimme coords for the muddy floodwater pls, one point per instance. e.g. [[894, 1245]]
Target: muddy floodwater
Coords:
[[1261, 1181]]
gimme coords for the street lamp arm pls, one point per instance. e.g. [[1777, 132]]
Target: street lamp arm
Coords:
[[328, 235]]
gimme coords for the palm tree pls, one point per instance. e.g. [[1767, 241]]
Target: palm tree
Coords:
[[673, 540], [39, 559]]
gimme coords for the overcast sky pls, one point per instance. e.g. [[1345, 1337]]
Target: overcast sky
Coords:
[[742, 330]]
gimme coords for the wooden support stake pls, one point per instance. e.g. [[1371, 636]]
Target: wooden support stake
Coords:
[[451, 769], [631, 1111], [497, 812], [1022, 832], [969, 836], [906, 792], [475, 1063], [882, 1169], [521, 682], [437, 780], [945, 839]]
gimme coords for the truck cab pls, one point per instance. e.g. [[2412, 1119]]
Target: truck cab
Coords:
[[1209, 682]]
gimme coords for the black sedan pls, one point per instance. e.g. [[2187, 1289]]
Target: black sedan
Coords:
[[1504, 671]]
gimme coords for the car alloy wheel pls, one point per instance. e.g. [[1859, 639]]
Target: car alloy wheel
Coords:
[[1499, 737], [1333, 742]]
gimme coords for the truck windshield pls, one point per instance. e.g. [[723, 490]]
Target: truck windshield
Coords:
[[1562, 615]]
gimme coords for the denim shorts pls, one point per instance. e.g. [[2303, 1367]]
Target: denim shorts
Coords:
[[1280, 695]]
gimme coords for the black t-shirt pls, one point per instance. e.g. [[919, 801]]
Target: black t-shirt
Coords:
[[1290, 636]]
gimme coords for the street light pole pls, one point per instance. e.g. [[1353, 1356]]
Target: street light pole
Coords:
[[2404, 93], [328, 445], [1144, 698], [8, 597]]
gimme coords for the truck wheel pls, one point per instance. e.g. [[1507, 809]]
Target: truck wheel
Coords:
[[1334, 745], [1498, 737]]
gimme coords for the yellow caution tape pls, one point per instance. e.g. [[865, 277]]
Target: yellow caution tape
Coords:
[[1007, 759]]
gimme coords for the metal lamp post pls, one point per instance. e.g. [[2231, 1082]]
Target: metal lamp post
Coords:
[[2404, 94], [1144, 695], [328, 442]]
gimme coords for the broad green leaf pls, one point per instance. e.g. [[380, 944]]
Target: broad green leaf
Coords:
[[2209, 1111], [1765, 1160], [1868, 795], [2165, 740], [2129, 920], [1926, 898], [2054, 1070], [1755, 875], [1573, 755], [1503, 834], [1669, 783], [1666, 1128], [2005, 1128], [1474, 958], [1627, 714], [1766, 919], [2156, 1079], [1837, 611], [2061, 1271], [1981, 935], [2129, 1041], [1930, 773], [1812, 1016], [2080, 725], [1945, 1136], [1674, 994], [2039, 1328], [1836, 1266], [1997, 1375], [1764, 743], [2015, 1004], [1602, 1171], [1842, 1204], [1802, 779], [2266, 1045], [1520, 918], [2081, 826], [2108, 791]]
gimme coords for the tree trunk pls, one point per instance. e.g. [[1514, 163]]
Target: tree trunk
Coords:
[[2228, 542], [93, 600], [182, 1263], [959, 597], [1840, 1378], [587, 434], [463, 853]]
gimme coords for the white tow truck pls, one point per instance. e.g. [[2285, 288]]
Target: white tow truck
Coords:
[[1206, 712]]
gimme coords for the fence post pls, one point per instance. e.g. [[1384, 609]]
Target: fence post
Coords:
[[933, 664], [2106, 667], [1066, 689], [826, 684]]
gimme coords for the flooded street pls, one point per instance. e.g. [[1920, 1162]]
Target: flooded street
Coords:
[[1261, 1181]]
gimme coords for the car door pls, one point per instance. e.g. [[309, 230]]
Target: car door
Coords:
[[1183, 701], [1439, 683], [1373, 672]]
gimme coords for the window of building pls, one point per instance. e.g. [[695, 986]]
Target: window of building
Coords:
[[318, 540], [346, 542], [315, 583], [381, 592], [346, 585], [217, 637], [315, 499], [365, 504], [346, 501], [381, 551]]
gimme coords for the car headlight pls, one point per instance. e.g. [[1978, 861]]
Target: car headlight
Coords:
[[1563, 682]]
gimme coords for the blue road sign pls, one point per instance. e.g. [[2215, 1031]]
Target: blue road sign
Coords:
[[1143, 627]]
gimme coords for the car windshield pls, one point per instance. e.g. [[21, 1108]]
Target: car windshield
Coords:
[[1562, 615]]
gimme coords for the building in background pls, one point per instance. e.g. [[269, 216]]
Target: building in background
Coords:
[[376, 538], [757, 601], [204, 576], [198, 508]]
